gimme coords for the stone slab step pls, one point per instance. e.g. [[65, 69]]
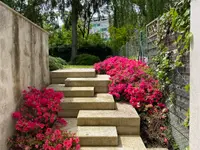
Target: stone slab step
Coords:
[[99, 81], [125, 143], [98, 136], [125, 115], [73, 91], [100, 102], [68, 113], [59, 76], [74, 73], [121, 130], [128, 130], [101, 89]]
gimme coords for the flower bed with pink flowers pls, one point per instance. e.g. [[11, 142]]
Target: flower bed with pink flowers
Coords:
[[133, 82], [38, 126]]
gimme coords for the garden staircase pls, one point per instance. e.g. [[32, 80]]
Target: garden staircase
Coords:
[[100, 122]]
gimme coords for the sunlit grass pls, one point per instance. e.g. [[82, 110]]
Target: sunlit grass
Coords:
[[77, 66]]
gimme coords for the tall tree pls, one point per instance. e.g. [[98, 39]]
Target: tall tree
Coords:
[[75, 11], [35, 10], [151, 9], [83, 9]]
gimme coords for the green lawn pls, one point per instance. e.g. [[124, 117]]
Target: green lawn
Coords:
[[77, 66]]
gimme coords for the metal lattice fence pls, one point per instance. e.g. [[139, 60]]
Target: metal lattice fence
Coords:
[[180, 78], [136, 47]]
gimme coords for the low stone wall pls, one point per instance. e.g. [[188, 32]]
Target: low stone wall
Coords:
[[23, 62]]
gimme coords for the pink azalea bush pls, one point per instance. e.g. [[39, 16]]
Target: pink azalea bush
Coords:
[[37, 124], [131, 81]]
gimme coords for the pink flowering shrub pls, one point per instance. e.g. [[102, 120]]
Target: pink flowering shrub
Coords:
[[37, 124], [131, 81]]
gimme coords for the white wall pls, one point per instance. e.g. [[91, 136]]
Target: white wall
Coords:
[[195, 77]]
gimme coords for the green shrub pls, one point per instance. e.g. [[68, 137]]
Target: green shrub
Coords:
[[61, 61], [56, 63], [64, 51], [98, 50], [85, 59]]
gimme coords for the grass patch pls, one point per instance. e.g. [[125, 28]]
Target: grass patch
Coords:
[[77, 66]]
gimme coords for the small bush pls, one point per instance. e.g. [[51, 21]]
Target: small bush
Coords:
[[98, 50], [61, 61], [85, 59], [62, 51], [56, 63]]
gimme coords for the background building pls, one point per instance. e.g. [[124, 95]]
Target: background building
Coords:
[[100, 23]]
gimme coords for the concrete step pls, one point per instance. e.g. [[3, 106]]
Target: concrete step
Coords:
[[101, 89], [99, 81], [97, 136], [68, 113], [125, 143], [73, 91], [59, 76], [124, 117], [100, 102]]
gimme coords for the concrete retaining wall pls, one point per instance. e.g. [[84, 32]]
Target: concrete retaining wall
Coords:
[[23, 62]]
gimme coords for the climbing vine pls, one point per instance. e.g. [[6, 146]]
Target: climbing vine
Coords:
[[173, 29], [174, 25]]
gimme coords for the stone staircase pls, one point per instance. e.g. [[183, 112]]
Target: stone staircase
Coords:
[[100, 122]]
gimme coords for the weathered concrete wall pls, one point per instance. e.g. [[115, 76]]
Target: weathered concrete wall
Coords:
[[195, 77], [23, 62]]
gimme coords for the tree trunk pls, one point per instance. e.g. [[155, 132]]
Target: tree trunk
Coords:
[[74, 28]]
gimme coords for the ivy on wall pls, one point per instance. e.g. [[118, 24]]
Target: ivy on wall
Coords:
[[173, 27], [176, 24]]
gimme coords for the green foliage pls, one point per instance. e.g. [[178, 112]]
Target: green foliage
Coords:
[[38, 11], [60, 44], [187, 88], [133, 57], [56, 63], [61, 61], [58, 36], [124, 13], [100, 51], [138, 12], [119, 36], [187, 119], [78, 66], [187, 148], [85, 59], [62, 51], [176, 21], [92, 40]]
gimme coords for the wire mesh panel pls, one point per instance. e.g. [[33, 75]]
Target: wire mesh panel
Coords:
[[135, 47], [180, 78], [152, 30]]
